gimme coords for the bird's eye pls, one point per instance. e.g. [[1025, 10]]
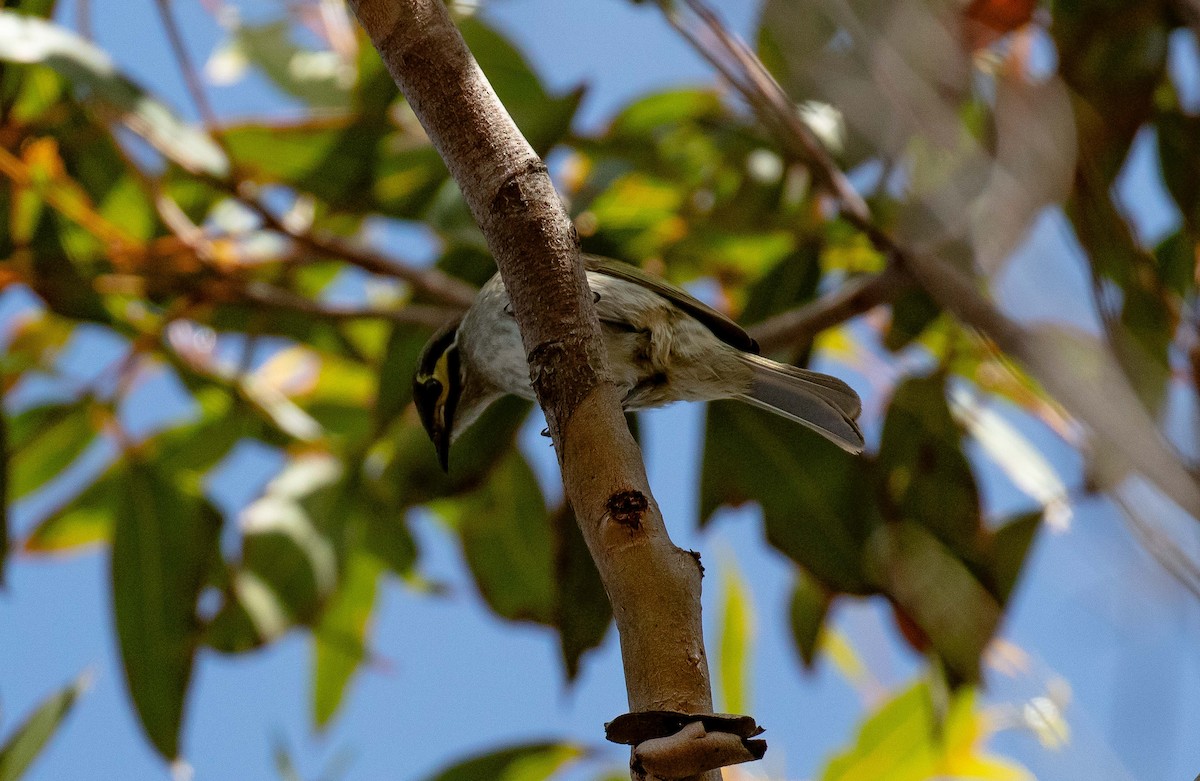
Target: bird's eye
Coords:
[[433, 388]]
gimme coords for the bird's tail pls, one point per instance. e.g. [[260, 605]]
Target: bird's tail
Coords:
[[823, 403]]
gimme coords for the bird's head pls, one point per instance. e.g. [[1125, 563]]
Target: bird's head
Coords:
[[438, 389]]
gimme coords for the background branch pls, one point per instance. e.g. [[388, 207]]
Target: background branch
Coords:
[[1094, 390]]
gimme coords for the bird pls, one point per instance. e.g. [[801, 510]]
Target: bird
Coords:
[[664, 345]]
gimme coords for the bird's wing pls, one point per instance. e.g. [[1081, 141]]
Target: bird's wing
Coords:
[[722, 327]]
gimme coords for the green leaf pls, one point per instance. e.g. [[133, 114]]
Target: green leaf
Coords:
[[790, 283], [289, 557], [340, 637], [505, 532], [912, 313], [905, 740], [396, 373], [413, 476], [163, 544], [92, 72], [582, 611], [387, 538], [650, 115], [543, 119], [925, 475], [815, 506], [898, 740], [47, 441], [532, 762], [1008, 550], [735, 619], [809, 606], [1178, 148], [936, 591], [315, 77], [23, 746], [85, 520], [4, 466], [336, 160]]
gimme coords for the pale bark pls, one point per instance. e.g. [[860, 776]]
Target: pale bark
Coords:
[[654, 586]]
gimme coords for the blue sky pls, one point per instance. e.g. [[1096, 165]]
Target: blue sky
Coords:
[[1092, 609]]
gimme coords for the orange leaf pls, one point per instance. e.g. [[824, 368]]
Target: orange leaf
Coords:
[[989, 20]]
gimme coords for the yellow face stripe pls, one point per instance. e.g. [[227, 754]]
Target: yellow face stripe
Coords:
[[441, 373]]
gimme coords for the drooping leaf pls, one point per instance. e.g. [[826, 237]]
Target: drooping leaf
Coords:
[[1008, 550], [317, 77], [4, 461], [334, 160], [912, 313], [48, 440], [936, 591], [163, 542], [83, 521], [289, 560], [22, 747], [1178, 146], [925, 475], [735, 619], [505, 533], [582, 611], [412, 474], [387, 538], [809, 606], [816, 499], [532, 762], [92, 72], [790, 283], [340, 637]]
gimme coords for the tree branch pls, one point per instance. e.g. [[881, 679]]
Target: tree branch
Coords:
[[654, 586], [803, 323], [446, 289]]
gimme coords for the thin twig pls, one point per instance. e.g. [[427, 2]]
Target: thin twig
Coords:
[[190, 77], [1113, 412], [803, 323], [772, 105], [271, 297], [443, 287]]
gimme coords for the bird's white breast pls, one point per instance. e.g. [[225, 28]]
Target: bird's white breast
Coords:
[[657, 353]]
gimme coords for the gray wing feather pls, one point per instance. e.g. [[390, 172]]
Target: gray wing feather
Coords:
[[823, 403], [721, 326]]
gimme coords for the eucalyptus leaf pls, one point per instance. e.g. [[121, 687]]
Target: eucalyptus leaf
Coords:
[[164, 542], [22, 747], [937, 592], [62, 434], [505, 532], [735, 619], [91, 71], [340, 636], [807, 611], [84, 520], [531, 762], [582, 612], [924, 473], [816, 499]]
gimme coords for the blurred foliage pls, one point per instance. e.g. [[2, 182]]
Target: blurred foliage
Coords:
[[25, 743], [217, 265], [906, 741]]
